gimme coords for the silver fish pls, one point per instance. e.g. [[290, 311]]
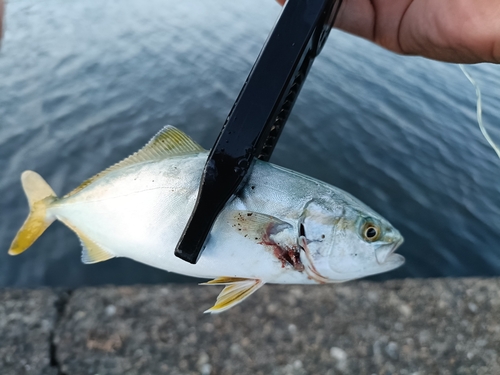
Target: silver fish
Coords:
[[283, 227]]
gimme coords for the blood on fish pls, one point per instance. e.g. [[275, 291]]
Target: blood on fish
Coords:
[[287, 255]]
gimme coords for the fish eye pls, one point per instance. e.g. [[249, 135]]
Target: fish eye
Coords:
[[371, 232]]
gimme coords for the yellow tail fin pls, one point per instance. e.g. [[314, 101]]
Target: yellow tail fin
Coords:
[[40, 195]]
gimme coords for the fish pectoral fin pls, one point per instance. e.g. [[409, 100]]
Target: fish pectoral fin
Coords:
[[237, 289], [92, 252], [256, 226]]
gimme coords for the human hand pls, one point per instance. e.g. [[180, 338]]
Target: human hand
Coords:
[[459, 31]]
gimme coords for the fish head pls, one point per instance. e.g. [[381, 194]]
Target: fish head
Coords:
[[346, 240]]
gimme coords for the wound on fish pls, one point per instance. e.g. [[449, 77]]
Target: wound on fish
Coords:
[[264, 229], [287, 255]]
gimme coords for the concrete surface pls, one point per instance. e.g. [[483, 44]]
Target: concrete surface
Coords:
[[433, 326], [27, 322]]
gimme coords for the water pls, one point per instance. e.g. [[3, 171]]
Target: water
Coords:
[[84, 84]]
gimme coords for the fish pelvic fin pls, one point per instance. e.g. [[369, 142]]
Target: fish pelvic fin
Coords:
[[40, 196], [237, 289], [168, 142]]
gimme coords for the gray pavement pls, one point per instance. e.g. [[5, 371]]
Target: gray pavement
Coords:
[[27, 322], [432, 326]]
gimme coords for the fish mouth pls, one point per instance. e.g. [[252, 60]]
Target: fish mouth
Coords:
[[386, 254]]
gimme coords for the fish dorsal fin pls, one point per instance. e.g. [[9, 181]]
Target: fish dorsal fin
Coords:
[[237, 289], [92, 252], [168, 142]]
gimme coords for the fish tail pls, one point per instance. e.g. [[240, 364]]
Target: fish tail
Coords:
[[40, 196]]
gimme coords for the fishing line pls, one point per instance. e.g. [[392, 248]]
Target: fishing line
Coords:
[[479, 113]]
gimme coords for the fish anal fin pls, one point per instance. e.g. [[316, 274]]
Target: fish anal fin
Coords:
[[92, 252], [168, 142], [236, 290]]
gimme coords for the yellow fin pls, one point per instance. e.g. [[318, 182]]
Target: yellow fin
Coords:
[[168, 142], [92, 252], [237, 289], [35, 187], [40, 195]]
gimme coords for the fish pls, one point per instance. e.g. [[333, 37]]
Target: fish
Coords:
[[282, 227]]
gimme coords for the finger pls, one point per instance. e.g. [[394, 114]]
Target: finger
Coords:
[[357, 17]]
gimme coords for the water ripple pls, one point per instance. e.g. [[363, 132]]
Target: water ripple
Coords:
[[84, 84]]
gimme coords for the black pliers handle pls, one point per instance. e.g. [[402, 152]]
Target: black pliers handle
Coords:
[[256, 120]]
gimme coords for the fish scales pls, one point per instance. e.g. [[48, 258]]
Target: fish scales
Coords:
[[282, 227]]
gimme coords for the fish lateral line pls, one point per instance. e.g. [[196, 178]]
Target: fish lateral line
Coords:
[[122, 195]]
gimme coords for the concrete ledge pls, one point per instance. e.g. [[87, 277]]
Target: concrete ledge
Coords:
[[432, 326], [27, 323]]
